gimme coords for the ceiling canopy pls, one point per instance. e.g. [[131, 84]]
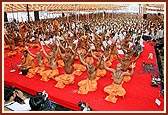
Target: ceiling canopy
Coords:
[[69, 7]]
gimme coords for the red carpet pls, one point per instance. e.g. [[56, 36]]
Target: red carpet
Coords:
[[140, 95]]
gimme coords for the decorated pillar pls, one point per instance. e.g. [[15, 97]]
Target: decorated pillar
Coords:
[[28, 16]]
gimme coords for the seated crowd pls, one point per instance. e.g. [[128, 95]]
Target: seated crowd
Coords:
[[95, 43]]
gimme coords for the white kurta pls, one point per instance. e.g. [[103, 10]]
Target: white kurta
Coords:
[[15, 106]]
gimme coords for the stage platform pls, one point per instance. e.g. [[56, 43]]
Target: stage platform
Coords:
[[140, 95]]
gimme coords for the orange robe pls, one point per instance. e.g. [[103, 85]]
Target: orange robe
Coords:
[[130, 67], [10, 54], [96, 53], [76, 57], [27, 60], [34, 45], [113, 91], [6, 47], [113, 57], [100, 73], [32, 70], [79, 68], [64, 79], [82, 50], [40, 69], [127, 78], [60, 63], [53, 74], [35, 70], [49, 74], [77, 72], [46, 63], [87, 85], [45, 75], [31, 73], [87, 59], [108, 63], [20, 49]]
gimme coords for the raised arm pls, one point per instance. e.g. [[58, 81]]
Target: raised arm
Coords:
[[109, 69], [99, 62], [135, 49], [20, 36], [75, 52], [46, 44], [104, 48], [27, 48], [59, 51], [22, 60], [109, 54], [45, 53], [93, 54], [132, 71], [114, 44], [91, 41], [81, 60], [119, 58], [121, 44], [56, 52], [96, 36], [123, 49], [60, 45], [136, 57], [6, 37]]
